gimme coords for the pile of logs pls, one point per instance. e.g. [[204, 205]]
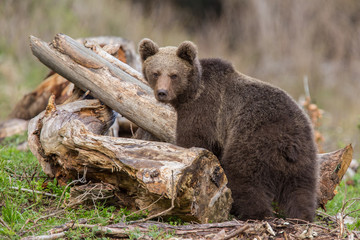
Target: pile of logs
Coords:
[[70, 137], [36, 101]]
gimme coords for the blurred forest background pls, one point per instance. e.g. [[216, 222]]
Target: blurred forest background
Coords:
[[278, 41]]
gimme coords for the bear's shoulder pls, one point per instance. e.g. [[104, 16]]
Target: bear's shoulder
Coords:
[[216, 65]]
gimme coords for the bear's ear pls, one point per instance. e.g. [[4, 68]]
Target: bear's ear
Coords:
[[187, 51], [147, 48]]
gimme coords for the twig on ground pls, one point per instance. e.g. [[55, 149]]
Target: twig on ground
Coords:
[[143, 209], [159, 214], [342, 214], [80, 180], [26, 222], [341, 218], [167, 210], [14, 174], [79, 199], [99, 196], [269, 229], [4, 223], [46, 237], [285, 235], [237, 232], [30, 229], [34, 191], [103, 229], [54, 213], [347, 206]]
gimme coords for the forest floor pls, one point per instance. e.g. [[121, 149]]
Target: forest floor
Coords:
[[33, 206]]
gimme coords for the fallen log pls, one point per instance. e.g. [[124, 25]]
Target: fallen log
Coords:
[[157, 176], [120, 91], [12, 127], [35, 102]]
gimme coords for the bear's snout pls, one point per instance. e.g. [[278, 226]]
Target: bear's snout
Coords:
[[162, 94]]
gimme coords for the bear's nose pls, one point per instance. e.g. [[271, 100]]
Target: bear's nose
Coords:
[[162, 94]]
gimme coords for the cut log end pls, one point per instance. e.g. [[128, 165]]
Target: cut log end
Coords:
[[333, 167]]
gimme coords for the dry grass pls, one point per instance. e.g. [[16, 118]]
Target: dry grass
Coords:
[[279, 41]]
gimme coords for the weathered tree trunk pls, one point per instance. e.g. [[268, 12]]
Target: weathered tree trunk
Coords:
[[120, 91], [66, 141], [123, 91], [35, 102]]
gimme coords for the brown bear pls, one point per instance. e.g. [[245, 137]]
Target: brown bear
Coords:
[[263, 139]]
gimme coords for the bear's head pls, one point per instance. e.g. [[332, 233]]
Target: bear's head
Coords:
[[170, 71]]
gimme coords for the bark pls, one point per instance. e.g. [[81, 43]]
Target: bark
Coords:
[[152, 175]]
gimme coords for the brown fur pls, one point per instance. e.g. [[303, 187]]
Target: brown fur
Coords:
[[262, 138]]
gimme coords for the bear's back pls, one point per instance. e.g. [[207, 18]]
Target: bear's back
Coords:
[[216, 71], [253, 111], [242, 94]]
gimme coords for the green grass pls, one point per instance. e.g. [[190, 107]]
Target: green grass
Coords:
[[22, 210], [347, 202]]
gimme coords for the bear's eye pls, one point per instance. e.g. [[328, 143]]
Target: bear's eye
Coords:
[[173, 76], [155, 75]]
